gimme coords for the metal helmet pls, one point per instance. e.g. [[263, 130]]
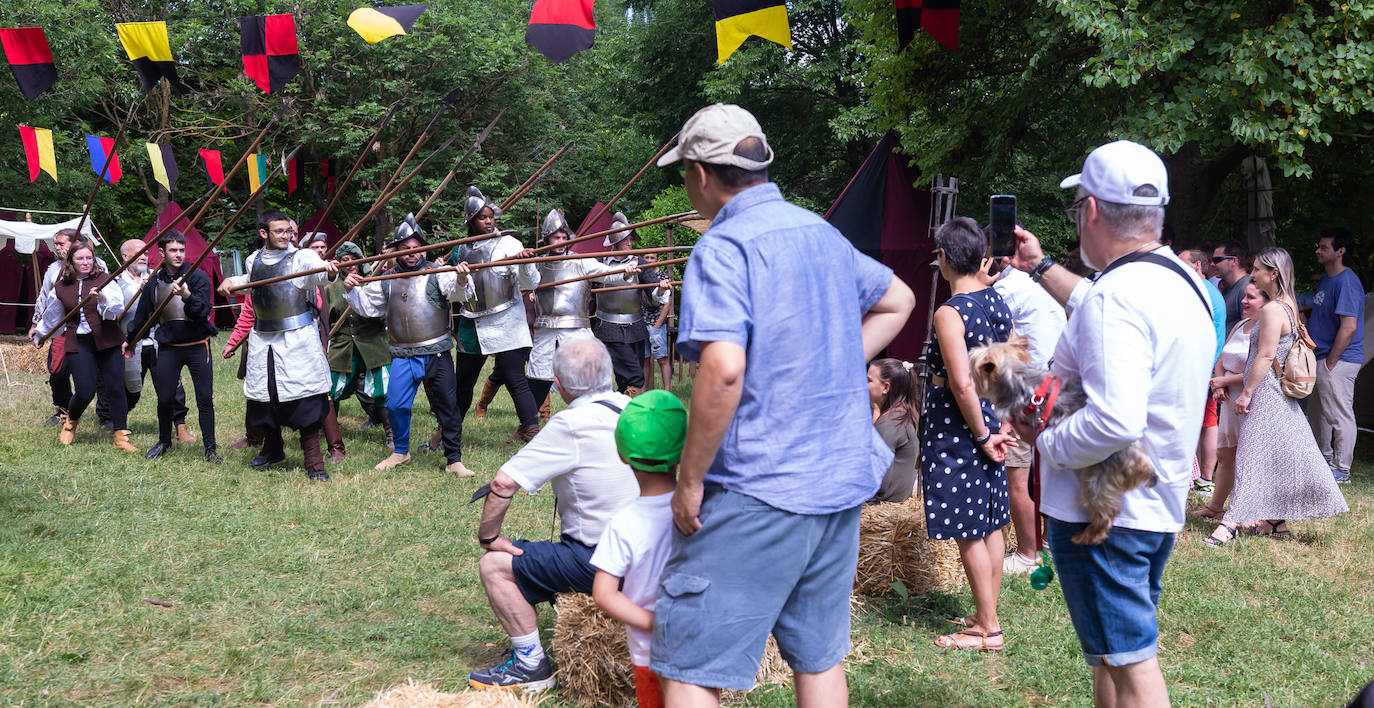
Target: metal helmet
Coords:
[[408, 229], [553, 223], [618, 221], [475, 202]]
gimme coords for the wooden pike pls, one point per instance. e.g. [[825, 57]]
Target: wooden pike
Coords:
[[105, 171], [640, 286], [607, 206], [210, 247], [601, 234], [593, 276], [528, 184], [458, 165], [518, 261], [424, 136], [357, 163]]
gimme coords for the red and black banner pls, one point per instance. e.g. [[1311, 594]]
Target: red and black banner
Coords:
[[214, 168], [329, 170], [293, 175], [26, 49], [270, 56], [940, 18], [561, 28]]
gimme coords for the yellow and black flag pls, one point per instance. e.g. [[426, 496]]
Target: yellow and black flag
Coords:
[[736, 20], [374, 24], [147, 46]]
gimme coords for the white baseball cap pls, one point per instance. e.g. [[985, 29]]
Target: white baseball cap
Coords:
[[1114, 171], [711, 135]]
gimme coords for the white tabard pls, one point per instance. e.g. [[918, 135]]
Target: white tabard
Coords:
[[506, 330], [300, 368]]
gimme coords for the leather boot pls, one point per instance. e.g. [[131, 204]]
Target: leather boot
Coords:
[[489, 390], [633, 391], [334, 438], [386, 430], [545, 410], [436, 441], [183, 434], [121, 441], [68, 434], [459, 469], [523, 434]]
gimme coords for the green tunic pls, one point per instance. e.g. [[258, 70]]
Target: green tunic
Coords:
[[367, 334]]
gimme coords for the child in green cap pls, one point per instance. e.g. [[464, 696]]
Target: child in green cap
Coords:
[[649, 437]]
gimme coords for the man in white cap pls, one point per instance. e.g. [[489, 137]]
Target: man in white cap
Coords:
[[1141, 339], [782, 313], [620, 313]]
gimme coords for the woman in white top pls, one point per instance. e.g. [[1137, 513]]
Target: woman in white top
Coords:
[[1227, 378]]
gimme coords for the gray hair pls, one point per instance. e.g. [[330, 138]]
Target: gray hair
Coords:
[[1133, 220], [583, 366]]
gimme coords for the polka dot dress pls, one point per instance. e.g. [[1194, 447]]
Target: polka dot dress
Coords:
[[965, 493]]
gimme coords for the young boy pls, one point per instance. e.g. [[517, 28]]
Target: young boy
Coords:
[[635, 545]]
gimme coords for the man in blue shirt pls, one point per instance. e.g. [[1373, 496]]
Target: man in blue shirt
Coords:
[[782, 313], [1207, 443], [1336, 325]]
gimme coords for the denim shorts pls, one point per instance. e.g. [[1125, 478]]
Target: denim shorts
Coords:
[[1112, 590], [656, 347], [546, 569], [749, 571]]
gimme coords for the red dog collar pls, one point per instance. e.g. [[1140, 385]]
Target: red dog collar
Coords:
[[1042, 403]]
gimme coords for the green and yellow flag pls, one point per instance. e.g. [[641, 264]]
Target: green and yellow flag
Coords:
[[736, 20], [257, 172], [147, 46]]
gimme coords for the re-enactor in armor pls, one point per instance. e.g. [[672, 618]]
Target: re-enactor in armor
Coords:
[[287, 382], [619, 315], [417, 315]]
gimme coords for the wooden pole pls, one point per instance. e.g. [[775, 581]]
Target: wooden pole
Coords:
[[105, 171], [627, 227], [513, 261], [357, 163], [640, 286], [607, 206], [424, 137], [528, 184], [593, 276], [449, 177]]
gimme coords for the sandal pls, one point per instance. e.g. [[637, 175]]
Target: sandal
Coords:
[[951, 641], [1273, 530], [1213, 541], [1207, 512]]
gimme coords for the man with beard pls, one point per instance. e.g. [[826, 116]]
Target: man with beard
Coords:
[[416, 309], [287, 382], [619, 315], [183, 338], [144, 352]]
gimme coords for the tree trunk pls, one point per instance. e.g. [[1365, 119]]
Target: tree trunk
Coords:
[[1194, 181]]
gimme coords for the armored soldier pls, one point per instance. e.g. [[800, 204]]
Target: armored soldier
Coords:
[[417, 313], [619, 314], [141, 356], [287, 381], [183, 335], [492, 320], [359, 356]]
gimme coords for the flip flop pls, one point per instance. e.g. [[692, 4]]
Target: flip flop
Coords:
[[951, 641]]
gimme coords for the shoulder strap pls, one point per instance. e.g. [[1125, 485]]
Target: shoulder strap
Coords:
[[609, 405], [1152, 257]]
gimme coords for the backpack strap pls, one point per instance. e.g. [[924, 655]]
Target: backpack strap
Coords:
[[609, 405], [1157, 259]]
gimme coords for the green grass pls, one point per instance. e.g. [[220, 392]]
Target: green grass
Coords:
[[290, 593]]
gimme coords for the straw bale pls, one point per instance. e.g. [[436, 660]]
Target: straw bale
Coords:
[[22, 358], [593, 658], [415, 694], [893, 546]]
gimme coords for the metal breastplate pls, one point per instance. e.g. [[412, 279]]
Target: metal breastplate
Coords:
[[495, 293], [278, 307], [620, 306], [413, 321], [176, 307], [563, 306]]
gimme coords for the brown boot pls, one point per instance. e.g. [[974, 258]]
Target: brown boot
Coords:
[[121, 441], [183, 434], [523, 434], [390, 442], [489, 390], [337, 453], [633, 391], [545, 410], [68, 434]]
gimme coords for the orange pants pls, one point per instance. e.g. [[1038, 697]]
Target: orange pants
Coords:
[[647, 690]]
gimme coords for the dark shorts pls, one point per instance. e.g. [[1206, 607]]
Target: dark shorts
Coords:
[[547, 568], [752, 570], [1112, 590]]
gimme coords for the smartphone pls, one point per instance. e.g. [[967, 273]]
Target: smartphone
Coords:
[[1002, 216]]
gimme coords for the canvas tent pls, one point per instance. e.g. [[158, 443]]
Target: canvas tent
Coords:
[[27, 251], [602, 223], [195, 245], [886, 217]]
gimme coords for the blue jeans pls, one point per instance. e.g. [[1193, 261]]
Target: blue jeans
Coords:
[[1112, 590]]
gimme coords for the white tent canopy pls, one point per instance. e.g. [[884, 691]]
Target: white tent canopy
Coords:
[[28, 234]]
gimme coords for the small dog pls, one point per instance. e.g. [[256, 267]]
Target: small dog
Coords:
[[1003, 374]]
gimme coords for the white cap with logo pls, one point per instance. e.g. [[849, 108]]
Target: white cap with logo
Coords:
[[1114, 171], [711, 135]]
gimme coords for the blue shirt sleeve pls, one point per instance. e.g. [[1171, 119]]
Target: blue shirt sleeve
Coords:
[[872, 278], [715, 304], [1350, 297]]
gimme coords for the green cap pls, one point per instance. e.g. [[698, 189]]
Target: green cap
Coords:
[[651, 431]]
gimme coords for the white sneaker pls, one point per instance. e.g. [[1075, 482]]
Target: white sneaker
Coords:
[[1017, 564]]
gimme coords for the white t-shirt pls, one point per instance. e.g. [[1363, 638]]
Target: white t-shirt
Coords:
[[1144, 344], [575, 453], [1034, 313], [635, 546]]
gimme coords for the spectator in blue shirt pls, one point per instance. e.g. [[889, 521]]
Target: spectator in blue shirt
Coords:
[[1207, 442], [782, 313], [1336, 325]]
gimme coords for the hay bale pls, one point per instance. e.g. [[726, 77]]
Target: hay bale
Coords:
[[893, 546], [593, 658], [22, 358], [414, 694]]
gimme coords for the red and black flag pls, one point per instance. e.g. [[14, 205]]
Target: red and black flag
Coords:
[[329, 170], [26, 49], [293, 175], [214, 169], [561, 28], [270, 56], [737, 20], [149, 49], [938, 17]]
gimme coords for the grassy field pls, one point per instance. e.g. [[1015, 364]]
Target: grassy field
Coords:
[[285, 592]]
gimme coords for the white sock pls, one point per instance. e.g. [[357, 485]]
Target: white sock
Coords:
[[528, 649]]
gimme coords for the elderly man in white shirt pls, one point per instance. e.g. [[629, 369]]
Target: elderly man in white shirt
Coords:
[[575, 453], [1141, 338]]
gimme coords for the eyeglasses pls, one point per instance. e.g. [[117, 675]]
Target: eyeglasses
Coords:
[[1072, 210], [283, 232], [1216, 260]]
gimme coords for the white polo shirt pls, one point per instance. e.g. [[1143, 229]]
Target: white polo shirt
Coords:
[[575, 453], [1143, 344], [1034, 313]]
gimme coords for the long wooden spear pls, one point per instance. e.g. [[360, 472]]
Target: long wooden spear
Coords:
[[659, 220], [607, 206], [424, 137], [105, 170], [210, 247], [481, 138], [593, 276], [519, 261], [357, 163], [204, 202], [528, 184], [640, 286]]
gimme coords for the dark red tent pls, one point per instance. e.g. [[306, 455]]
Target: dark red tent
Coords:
[[887, 217], [19, 281], [320, 222], [195, 245], [602, 223]]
